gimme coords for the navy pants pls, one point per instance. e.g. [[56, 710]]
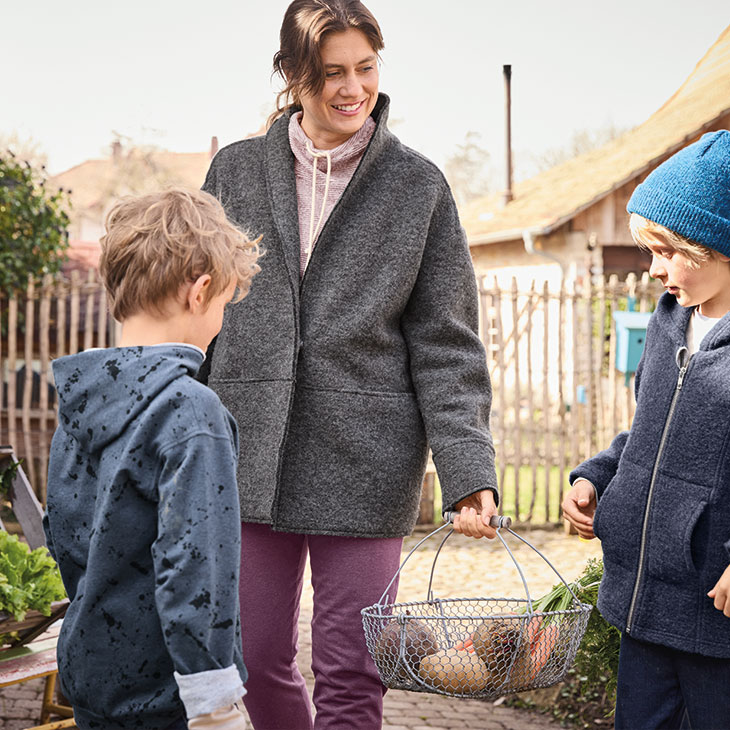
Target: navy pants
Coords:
[[665, 689]]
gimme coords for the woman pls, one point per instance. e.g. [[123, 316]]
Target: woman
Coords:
[[356, 349]]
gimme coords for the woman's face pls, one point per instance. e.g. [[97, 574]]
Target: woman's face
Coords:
[[350, 90]]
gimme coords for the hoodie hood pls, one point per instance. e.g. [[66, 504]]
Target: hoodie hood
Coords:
[[101, 391]]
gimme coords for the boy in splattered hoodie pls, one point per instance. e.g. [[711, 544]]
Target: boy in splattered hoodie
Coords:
[[142, 514]]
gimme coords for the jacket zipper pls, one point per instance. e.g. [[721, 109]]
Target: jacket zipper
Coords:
[[683, 358]]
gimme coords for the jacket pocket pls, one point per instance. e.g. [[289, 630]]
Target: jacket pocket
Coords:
[[619, 514], [353, 461], [676, 511]]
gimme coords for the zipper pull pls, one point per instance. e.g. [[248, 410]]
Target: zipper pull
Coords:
[[682, 364]]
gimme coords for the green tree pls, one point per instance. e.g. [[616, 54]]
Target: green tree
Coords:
[[33, 224]]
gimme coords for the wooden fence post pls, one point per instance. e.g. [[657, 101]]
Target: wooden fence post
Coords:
[[89, 314], [517, 430], [73, 336], [546, 409]]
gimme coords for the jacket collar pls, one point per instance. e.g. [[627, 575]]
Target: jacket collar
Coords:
[[282, 188], [674, 319]]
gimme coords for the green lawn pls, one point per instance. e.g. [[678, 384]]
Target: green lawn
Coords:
[[526, 480], [544, 479]]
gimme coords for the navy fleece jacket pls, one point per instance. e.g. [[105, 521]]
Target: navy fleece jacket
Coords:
[[143, 520], [663, 514]]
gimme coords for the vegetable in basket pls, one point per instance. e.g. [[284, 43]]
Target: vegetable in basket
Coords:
[[513, 649], [418, 642], [455, 670]]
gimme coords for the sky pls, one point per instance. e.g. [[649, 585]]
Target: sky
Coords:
[[175, 72]]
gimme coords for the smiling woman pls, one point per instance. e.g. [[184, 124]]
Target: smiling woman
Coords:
[[350, 90], [357, 349]]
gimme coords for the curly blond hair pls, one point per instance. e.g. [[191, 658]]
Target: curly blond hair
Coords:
[[157, 242]]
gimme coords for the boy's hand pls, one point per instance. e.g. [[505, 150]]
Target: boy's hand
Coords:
[[227, 718], [474, 513], [579, 506], [721, 593]]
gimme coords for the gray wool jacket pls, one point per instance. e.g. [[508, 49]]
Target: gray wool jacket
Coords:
[[341, 381], [663, 514]]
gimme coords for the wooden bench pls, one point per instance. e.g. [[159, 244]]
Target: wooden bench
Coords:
[[32, 653], [34, 660]]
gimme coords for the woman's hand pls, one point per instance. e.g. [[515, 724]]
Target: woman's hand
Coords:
[[579, 506], [474, 513], [721, 593]]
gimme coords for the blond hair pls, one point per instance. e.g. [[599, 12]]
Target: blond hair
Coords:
[[646, 233], [299, 58], [155, 243]]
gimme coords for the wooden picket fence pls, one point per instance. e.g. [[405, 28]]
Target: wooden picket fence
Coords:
[[59, 317], [557, 397]]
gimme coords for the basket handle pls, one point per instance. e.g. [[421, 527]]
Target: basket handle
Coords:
[[496, 521], [499, 522], [384, 598]]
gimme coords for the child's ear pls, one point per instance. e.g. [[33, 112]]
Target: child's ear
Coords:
[[197, 293]]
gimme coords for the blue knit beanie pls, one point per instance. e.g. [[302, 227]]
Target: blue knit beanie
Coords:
[[690, 193]]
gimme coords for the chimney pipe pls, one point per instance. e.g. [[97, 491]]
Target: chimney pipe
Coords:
[[116, 151], [507, 70]]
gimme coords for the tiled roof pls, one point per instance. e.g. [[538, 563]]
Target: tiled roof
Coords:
[[82, 256], [94, 181], [553, 197]]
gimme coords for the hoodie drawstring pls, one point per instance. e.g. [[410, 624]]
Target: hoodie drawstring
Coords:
[[314, 232]]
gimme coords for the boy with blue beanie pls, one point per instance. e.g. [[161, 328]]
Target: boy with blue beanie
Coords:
[[659, 497], [142, 510]]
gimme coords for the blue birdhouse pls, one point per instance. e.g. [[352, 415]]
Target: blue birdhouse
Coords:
[[630, 336]]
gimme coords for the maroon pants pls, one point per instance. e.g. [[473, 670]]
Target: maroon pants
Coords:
[[348, 573]]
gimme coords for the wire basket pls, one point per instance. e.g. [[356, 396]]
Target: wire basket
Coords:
[[477, 648]]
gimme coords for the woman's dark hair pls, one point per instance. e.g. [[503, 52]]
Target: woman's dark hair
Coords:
[[306, 23]]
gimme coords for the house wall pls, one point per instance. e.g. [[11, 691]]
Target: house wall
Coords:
[[566, 256]]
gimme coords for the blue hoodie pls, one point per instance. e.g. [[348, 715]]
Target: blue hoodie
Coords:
[[663, 514], [143, 520]]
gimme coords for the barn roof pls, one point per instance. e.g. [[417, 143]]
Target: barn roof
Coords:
[[548, 200]]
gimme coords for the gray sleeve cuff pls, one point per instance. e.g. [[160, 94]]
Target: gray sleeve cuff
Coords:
[[205, 692], [465, 468]]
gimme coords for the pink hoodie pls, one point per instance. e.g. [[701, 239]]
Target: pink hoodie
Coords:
[[317, 195]]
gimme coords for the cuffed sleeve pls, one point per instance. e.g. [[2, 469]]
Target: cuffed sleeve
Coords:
[[448, 361], [205, 692]]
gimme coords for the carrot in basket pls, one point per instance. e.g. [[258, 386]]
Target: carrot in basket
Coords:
[[541, 642], [467, 645]]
